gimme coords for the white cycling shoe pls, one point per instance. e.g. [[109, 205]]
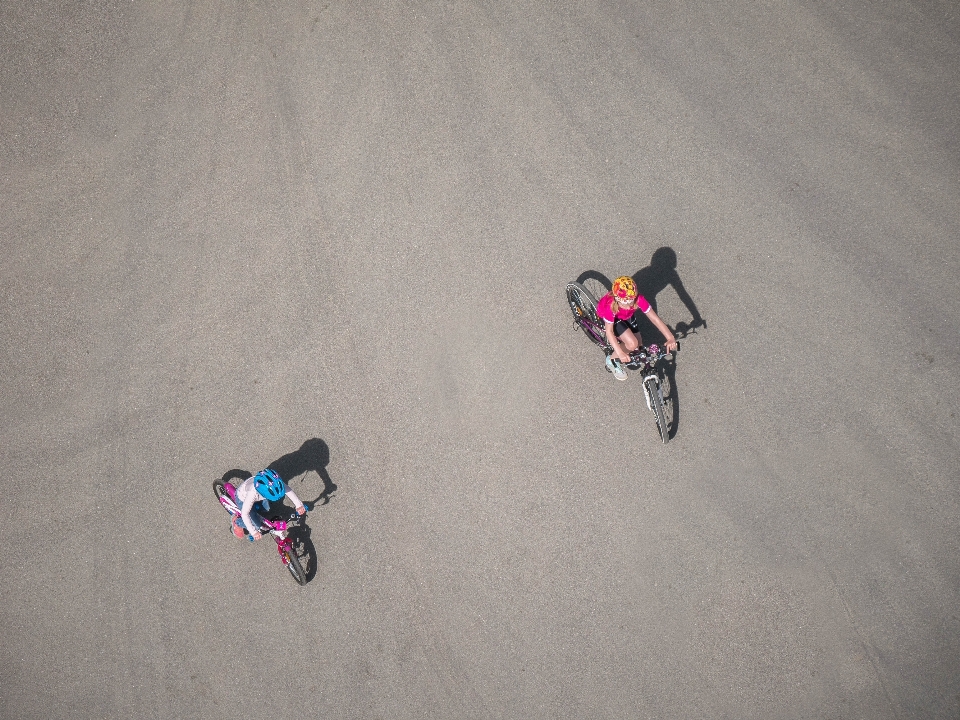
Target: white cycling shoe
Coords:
[[616, 367]]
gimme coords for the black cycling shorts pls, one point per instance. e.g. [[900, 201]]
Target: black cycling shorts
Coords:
[[621, 326]]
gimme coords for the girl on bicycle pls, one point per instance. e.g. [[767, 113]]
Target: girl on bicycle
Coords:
[[256, 494], [617, 308]]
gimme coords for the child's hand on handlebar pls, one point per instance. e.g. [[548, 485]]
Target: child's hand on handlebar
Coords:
[[301, 510], [257, 535]]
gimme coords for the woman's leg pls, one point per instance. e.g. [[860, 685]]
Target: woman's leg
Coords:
[[626, 335], [629, 340]]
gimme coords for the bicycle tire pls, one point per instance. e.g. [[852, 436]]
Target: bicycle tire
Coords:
[[667, 392], [656, 403], [292, 563], [584, 308], [220, 491]]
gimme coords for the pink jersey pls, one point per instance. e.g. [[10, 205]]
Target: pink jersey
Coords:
[[605, 308]]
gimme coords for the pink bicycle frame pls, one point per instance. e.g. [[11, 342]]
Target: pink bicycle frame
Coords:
[[276, 528]]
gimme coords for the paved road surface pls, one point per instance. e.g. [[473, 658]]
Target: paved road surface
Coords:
[[334, 236]]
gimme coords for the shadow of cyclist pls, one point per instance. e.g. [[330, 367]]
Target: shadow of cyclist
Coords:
[[312, 455], [651, 281], [660, 274]]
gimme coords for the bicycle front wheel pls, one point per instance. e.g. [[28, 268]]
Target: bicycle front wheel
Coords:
[[584, 308], [669, 396], [656, 404], [292, 562]]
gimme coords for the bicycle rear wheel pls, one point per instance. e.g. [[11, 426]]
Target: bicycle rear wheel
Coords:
[[292, 563], [220, 490], [584, 308], [656, 404]]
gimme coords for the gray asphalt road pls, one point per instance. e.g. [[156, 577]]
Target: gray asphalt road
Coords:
[[335, 235]]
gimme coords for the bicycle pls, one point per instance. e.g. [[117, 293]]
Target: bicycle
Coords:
[[657, 390], [226, 493]]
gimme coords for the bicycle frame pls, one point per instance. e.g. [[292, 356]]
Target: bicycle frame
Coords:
[[276, 528], [597, 332]]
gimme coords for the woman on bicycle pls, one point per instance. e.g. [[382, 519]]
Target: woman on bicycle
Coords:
[[256, 494], [617, 308]]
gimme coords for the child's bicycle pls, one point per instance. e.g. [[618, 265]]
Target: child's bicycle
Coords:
[[227, 495], [656, 382]]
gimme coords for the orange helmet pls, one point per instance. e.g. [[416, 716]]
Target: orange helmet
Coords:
[[624, 288]]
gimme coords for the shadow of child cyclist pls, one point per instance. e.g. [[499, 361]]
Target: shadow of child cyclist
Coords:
[[312, 455], [660, 274]]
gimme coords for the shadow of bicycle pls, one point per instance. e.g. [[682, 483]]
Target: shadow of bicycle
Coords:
[[305, 549]]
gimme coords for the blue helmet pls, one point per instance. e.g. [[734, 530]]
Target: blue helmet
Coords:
[[269, 485]]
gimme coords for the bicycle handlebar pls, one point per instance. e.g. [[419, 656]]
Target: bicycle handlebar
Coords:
[[266, 528], [661, 351]]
